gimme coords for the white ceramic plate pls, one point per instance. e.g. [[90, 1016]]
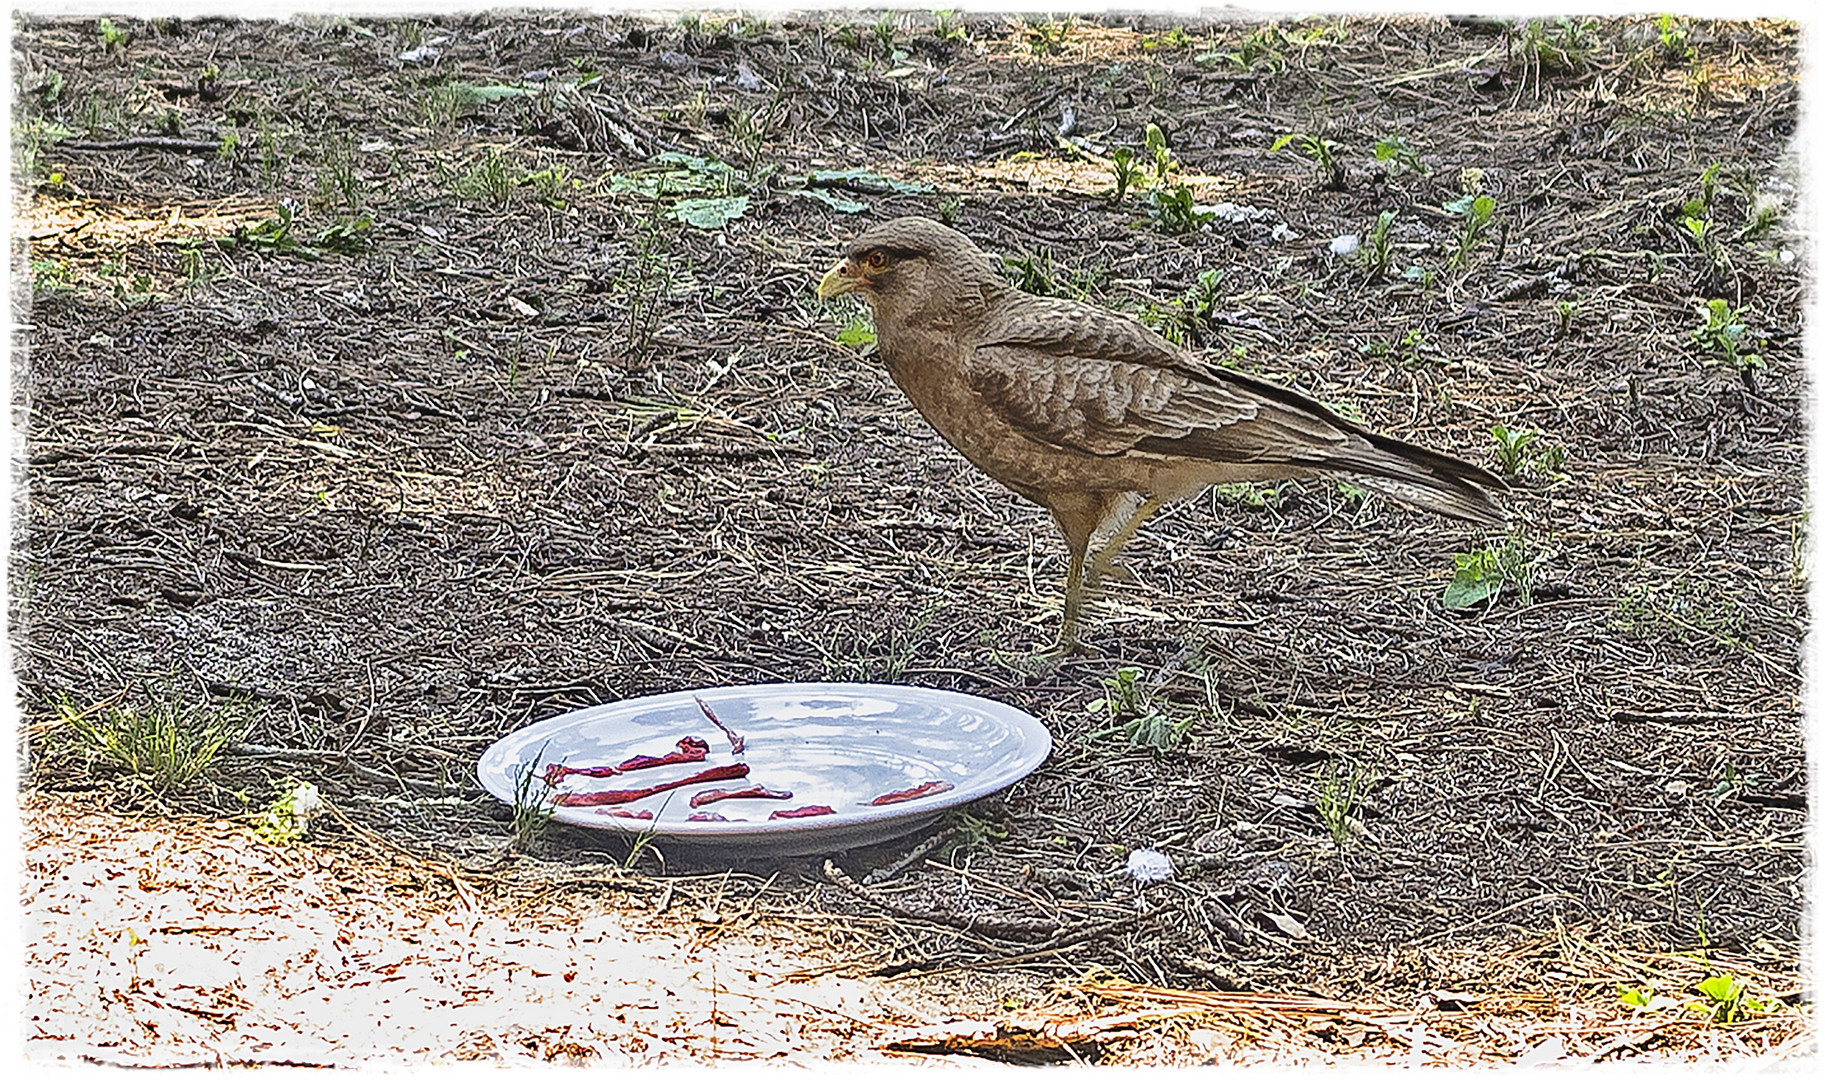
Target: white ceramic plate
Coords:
[[832, 744]]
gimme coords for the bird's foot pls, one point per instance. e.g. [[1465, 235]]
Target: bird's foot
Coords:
[[1097, 574], [1047, 661]]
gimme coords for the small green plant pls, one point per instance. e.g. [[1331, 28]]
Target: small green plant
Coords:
[[1127, 172], [1047, 36], [534, 803], [1684, 610], [887, 33], [1727, 1000], [1256, 495], [287, 819], [551, 184], [1410, 352], [349, 234], [1175, 38], [949, 207], [1644, 997], [1567, 310], [1175, 212], [1725, 336], [1475, 213], [1030, 273], [1154, 139], [1341, 788], [490, 180], [1394, 149], [1132, 717], [1675, 34], [112, 37], [442, 105], [1378, 253], [1727, 780], [858, 335], [1325, 155], [1481, 575], [1511, 448], [1261, 48], [948, 27], [969, 832], [1189, 319], [1562, 46], [168, 741], [338, 184]]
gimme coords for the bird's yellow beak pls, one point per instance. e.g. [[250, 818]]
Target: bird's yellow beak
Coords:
[[838, 281]]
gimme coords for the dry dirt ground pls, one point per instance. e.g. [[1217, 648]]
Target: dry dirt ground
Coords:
[[418, 380]]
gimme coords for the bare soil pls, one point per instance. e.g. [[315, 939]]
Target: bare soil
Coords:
[[370, 373]]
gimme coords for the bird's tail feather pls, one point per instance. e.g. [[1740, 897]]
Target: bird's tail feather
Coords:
[[1423, 478]]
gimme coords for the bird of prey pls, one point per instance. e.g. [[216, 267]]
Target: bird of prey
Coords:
[[1095, 417]]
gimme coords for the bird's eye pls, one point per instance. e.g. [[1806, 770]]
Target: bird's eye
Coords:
[[877, 260]]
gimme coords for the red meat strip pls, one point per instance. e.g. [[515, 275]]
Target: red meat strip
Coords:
[[638, 815], [736, 742], [615, 798], [803, 811], [705, 798], [930, 787], [690, 750], [707, 815]]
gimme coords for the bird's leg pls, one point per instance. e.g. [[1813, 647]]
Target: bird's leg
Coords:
[[1103, 564], [1078, 516], [1074, 601]]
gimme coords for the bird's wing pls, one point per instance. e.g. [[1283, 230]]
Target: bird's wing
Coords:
[[1079, 378]]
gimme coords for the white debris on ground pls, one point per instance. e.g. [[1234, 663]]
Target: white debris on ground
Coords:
[[1147, 866], [163, 943]]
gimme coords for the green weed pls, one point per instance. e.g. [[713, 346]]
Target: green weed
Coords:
[[948, 27], [1127, 172], [1175, 212], [1727, 1001], [1394, 149], [168, 741], [338, 184], [1261, 48], [112, 37], [1675, 34], [1515, 452], [1683, 610], [1047, 36], [1724, 337], [534, 803], [287, 819], [551, 184], [1378, 253], [1475, 214], [490, 181], [1133, 717], [1326, 156], [1480, 576], [1560, 47], [1341, 789]]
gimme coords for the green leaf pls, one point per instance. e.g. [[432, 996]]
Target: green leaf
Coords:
[[710, 213], [833, 201], [1721, 988], [471, 94], [856, 334], [1479, 576], [1281, 143]]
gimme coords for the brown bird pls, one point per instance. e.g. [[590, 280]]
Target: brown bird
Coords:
[[1095, 417]]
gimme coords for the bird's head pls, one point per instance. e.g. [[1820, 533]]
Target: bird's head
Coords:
[[912, 266]]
